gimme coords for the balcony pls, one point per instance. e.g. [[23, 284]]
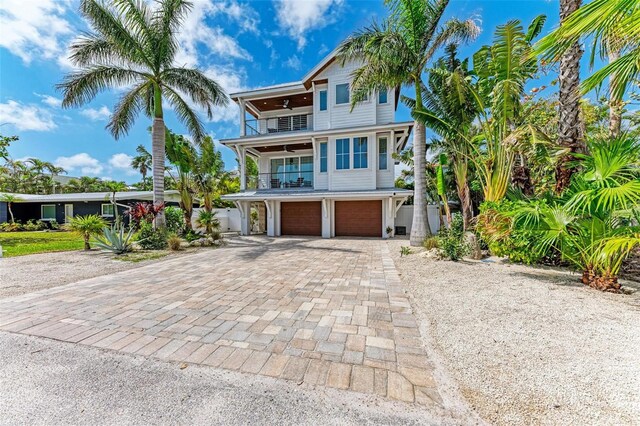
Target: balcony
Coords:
[[298, 180], [288, 123]]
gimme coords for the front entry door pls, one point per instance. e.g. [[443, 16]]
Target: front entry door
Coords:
[[68, 212]]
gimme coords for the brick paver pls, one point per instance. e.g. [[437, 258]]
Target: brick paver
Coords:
[[321, 312]]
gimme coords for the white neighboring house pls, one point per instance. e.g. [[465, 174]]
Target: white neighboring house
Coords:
[[323, 168]]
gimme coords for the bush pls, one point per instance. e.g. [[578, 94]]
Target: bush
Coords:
[[115, 239], [10, 227], [87, 226], [32, 225], [450, 240], [53, 224], [152, 239], [175, 243], [192, 235], [430, 243], [175, 219]]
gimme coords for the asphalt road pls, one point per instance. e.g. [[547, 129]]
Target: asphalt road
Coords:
[[48, 382]]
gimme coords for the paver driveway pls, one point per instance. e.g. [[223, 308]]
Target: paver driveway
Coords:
[[321, 312]]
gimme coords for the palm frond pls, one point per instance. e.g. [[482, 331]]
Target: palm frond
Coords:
[[185, 113], [126, 110], [204, 91]]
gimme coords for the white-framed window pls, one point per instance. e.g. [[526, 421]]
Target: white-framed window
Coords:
[[322, 94], [382, 153], [360, 146], [107, 210], [342, 154], [382, 96], [323, 157], [342, 93], [48, 212]]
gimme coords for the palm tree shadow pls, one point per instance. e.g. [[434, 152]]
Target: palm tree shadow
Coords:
[[259, 245]]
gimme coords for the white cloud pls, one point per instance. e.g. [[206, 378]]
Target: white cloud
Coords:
[[52, 101], [196, 32], [82, 161], [242, 14], [122, 162], [293, 62], [298, 17], [34, 29], [99, 114], [26, 117]]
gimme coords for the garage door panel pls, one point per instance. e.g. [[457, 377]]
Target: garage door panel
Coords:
[[301, 218], [358, 218]]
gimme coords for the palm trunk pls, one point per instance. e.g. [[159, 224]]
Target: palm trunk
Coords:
[[157, 154], [10, 212], [86, 241], [570, 129], [420, 228], [615, 103]]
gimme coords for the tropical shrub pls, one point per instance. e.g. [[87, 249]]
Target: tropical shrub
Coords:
[[174, 242], [175, 219], [87, 226], [34, 225], [10, 227], [208, 221], [405, 251], [143, 212], [430, 243], [115, 239], [53, 224], [152, 239], [192, 235], [451, 244]]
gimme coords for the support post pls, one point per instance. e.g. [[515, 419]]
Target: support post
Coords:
[[243, 114]]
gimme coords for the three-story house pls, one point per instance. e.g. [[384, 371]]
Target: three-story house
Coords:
[[324, 168]]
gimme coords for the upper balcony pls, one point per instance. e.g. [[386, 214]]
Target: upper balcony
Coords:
[[287, 123]]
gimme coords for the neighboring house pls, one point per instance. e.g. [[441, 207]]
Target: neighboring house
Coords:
[[323, 168], [60, 207]]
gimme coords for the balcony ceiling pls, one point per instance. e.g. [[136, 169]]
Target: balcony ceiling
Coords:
[[272, 104], [285, 148]]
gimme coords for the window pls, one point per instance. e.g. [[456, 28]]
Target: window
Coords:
[[342, 154], [107, 210], [360, 153], [382, 96], [342, 93], [323, 100], [48, 212], [323, 157], [382, 153]]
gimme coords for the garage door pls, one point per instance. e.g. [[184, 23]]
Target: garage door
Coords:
[[359, 218], [301, 218]]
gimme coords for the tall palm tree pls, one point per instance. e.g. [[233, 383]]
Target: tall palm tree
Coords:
[[395, 53], [134, 46], [142, 162], [10, 199]]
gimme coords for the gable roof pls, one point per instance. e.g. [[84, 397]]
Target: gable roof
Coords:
[[321, 66]]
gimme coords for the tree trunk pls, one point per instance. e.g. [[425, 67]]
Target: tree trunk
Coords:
[[11, 212], [466, 206], [86, 241], [570, 133], [605, 282], [158, 154], [420, 228], [615, 103]]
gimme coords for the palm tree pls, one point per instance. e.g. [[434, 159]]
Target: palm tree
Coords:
[[182, 154], [134, 46], [114, 187], [208, 172], [395, 53], [10, 199], [142, 162], [87, 226]]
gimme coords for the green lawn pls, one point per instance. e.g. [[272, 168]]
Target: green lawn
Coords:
[[21, 243]]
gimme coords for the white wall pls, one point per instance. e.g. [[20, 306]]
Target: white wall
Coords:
[[229, 219], [404, 217]]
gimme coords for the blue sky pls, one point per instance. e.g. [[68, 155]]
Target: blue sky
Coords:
[[241, 44]]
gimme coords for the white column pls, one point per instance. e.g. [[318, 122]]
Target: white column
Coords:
[[245, 217], [388, 212], [271, 217], [243, 113], [327, 214], [242, 158]]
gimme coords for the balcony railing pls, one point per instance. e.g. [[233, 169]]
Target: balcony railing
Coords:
[[289, 123], [281, 180]]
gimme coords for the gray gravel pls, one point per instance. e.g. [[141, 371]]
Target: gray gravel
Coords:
[[33, 272], [529, 345], [44, 382]]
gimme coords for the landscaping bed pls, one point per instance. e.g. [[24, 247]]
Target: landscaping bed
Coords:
[[528, 345]]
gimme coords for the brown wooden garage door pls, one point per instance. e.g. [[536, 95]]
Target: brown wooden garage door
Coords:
[[359, 218], [301, 218]]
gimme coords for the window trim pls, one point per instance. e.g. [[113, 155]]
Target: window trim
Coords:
[[326, 157], [102, 210], [366, 152], [42, 206], [326, 100], [386, 92], [348, 94], [386, 153], [348, 156]]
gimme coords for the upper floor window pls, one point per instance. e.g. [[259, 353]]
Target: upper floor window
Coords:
[[342, 154], [323, 100], [360, 153], [323, 157], [342, 93], [382, 96], [382, 153]]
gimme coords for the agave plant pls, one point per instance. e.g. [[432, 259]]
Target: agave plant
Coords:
[[116, 240], [591, 225]]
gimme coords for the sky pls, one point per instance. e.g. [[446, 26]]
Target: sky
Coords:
[[240, 44]]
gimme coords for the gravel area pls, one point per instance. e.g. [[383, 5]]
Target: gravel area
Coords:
[[33, 272], [45, 382], [528, 345]]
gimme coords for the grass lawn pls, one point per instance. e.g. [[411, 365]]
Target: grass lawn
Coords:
[[21, 243]]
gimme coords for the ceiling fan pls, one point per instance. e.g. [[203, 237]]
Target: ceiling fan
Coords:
[[285, 104]]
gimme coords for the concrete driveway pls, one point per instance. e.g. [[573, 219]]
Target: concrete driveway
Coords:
[[316, 312]]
